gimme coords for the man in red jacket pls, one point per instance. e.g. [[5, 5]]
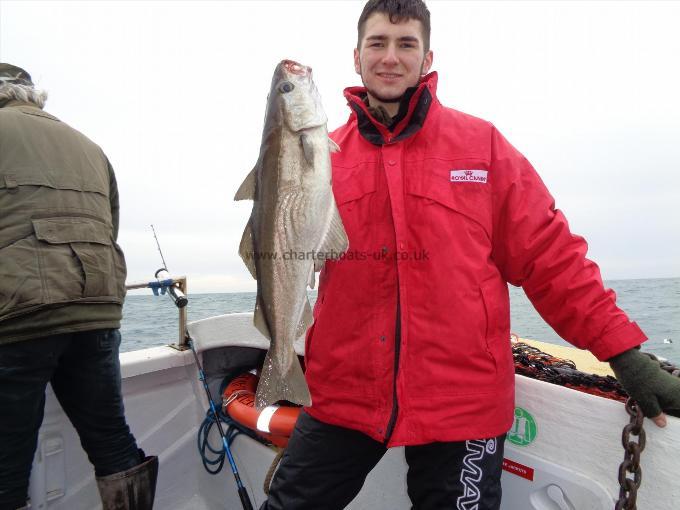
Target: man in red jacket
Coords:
[[441, 214]]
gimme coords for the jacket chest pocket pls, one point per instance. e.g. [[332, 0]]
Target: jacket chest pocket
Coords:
[[79, 259], [354, 192], [451, 206]]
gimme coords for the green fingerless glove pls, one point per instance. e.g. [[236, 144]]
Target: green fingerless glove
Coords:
[[643, 378]]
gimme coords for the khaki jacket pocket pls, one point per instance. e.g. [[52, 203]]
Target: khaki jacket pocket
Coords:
[[20, 284], [79, 259]]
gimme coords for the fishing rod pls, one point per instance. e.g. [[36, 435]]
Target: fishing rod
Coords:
[[242, 492], [158, 245], [163, 277], [166, 281]]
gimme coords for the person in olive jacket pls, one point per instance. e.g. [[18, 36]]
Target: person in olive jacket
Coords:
[[62, 286]]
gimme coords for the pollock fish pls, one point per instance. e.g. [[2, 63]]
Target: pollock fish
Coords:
[[293, 228]]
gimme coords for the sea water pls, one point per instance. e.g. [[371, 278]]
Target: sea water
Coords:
[[653, 303]]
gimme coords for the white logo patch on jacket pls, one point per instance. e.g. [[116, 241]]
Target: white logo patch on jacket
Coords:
[[469, 176]]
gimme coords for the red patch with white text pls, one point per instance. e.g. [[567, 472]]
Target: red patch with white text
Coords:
[[518, 469]]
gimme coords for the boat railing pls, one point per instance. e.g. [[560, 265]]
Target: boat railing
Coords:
[[176, 288]]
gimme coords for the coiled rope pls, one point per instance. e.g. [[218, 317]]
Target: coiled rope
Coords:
[[209, 455]]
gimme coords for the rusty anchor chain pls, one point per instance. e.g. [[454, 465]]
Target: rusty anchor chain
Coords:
[[633, 439]]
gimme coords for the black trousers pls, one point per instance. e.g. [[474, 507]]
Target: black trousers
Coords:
[[85, 374], [324, 468]]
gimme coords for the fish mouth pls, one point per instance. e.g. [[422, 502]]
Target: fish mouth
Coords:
[[294, 68]]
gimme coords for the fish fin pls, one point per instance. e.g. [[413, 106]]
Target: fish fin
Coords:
[[275, 386], [312, 279], [247, 189], [260, 321], [306, 320], [334, 242], [307, 148], [247, 250], [334, 147]]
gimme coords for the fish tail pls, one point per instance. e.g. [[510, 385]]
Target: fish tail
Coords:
[[275, 385]]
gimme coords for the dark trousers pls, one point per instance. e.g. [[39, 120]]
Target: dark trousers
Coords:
[[85, 374], [324, 468]]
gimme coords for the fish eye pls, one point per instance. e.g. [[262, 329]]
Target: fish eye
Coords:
[[286, 87]]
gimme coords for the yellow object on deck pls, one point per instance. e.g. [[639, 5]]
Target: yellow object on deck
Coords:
[[584, 360]]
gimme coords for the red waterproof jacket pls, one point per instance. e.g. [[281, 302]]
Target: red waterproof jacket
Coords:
[[441, 214]]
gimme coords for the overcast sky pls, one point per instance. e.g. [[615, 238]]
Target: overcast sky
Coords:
[[174, 92]]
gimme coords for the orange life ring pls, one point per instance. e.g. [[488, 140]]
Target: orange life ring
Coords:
[[273, 423]]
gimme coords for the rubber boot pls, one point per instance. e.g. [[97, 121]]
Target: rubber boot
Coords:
[[133, 489]]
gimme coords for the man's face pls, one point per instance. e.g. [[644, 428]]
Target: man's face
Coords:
[[391, 58]]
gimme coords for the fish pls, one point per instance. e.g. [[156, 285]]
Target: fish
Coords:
[[294, 226]]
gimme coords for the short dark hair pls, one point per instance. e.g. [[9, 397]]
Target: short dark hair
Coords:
[[398, 11]]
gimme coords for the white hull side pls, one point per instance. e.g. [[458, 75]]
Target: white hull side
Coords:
[[577, 447]]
